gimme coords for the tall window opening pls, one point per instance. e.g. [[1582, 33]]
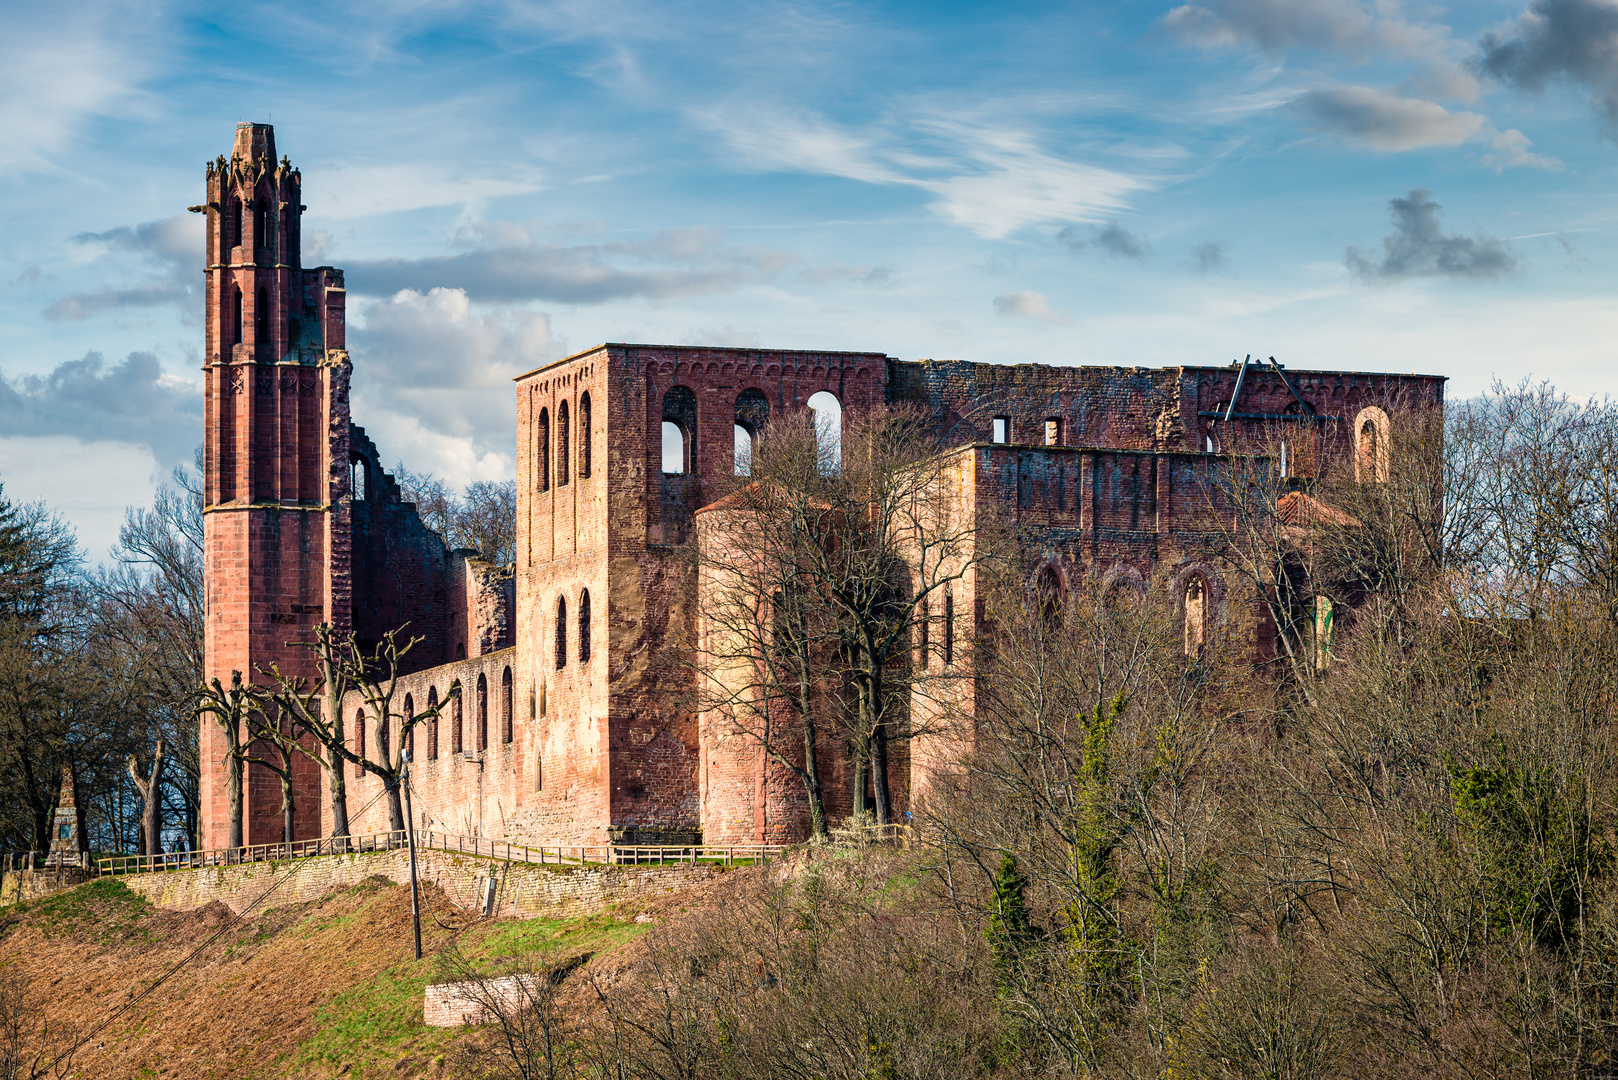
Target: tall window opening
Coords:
[[584, 435], [561, 632], [924, 634], [561, 444], [359, 741], [584, 626], [261, 225], [1286, 465], [752, 409], [432, 724], [236, 318], [505, 706], [261, 319], [828, 414], [949, 627], [1196, 613], [1321, 625], [1048, 597], [542, 451], [356, 479], [455, 743], [233, 224], [1053, 431], [1000, 429], [483, 712], [679, 431], [1371, 446], [410, 729]]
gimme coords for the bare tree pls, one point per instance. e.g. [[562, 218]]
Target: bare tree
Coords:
[[231, 710], [150, 787], [317, 710]]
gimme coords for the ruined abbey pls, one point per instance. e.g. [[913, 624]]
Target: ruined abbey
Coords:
[[565, 729]]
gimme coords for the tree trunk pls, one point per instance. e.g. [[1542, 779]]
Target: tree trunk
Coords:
[[152, 813], [396, 821], [335, 763], [861, 807], [811, 784], [286, 807], [878, 727], [233, 789]]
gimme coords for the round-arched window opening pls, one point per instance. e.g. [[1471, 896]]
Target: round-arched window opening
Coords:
[[1195, 611], [828, 420], [1048, 598], [674, 449]]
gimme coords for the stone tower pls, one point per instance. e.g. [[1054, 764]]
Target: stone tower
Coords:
[[276, 461]]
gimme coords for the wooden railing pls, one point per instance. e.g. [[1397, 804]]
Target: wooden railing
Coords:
[[547, 854]]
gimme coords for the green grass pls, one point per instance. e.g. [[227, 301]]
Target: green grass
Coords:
[[105, 906]]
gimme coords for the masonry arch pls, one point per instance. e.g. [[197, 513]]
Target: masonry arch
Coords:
[[1049, 595], [432, 724], [828, 420], [483, 712], [752, 410], [455, 743], [584, 626], [1123, 583], [584, 435], [562, 446], [542, 450], [679, 431], [505, 706], [1371, 446], [561, 632]]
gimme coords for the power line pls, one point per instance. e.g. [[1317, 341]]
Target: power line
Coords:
[[132, 1002]]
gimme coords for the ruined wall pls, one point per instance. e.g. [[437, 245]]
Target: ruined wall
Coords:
[[522, 890]]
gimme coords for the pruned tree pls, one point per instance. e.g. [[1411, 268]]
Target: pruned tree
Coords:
[[149, 784], [273, 744], [230, 709], [317, 710]]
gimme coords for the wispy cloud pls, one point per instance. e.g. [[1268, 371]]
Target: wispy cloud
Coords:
[[170, 253], [984, 173], [1385, 121], [1029, 305], [132, 401], [1111, 237], [1419, 247], [519, 266], [1208, 258]]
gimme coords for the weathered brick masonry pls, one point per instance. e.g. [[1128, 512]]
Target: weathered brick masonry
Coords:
[[572, 727]]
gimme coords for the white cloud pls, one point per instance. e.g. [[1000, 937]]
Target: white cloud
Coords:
[[1511, 152], [1385, 121], [90, 482], [343, 192], [983, 173], [1029, 305]]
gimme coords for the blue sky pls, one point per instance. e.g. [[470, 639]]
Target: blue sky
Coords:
[[1340, 183]]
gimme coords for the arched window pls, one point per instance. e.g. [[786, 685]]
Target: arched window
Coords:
[[410, 727], [432, 724], [233, 224], [828, 413], [505, 706], [561, 444], [949, 627], [1048, 597], [584, 435], [752, 409], [455, 742], [1196, 613], [236, 319], [261, 224], [1320, 623], [542, 451], [561, 632], [584, 626], [356, 479], [1371, 446], [679, 431], [359, 741], [261, 319], [483, 712]]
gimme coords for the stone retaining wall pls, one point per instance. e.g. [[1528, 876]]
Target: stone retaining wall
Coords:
[[522, 890]]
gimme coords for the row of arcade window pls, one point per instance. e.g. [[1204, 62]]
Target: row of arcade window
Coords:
[[481, 730], [563, 458], [261, 318], [925, 633], [752, 409], [1000, 430], [584, 629]]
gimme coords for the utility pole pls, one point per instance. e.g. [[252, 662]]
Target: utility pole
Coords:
[[410, 841]]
